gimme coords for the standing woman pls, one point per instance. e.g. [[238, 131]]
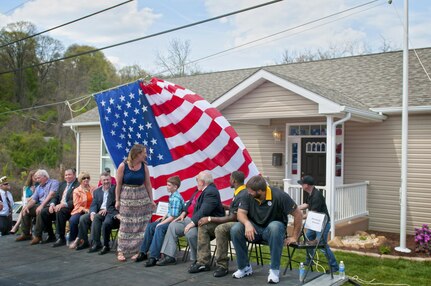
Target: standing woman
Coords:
[[27, 192], [134, 200]]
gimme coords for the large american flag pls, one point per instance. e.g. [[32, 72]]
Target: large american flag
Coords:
[[183, 134]]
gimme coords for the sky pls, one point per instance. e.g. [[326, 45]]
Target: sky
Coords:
[[371, 25]]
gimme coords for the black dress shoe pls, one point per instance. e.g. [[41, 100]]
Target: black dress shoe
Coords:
[[59, 242], [104, 250], [49, 240], [151, 262], [167, 260], [94, 248], [83, 245], [141, 257]]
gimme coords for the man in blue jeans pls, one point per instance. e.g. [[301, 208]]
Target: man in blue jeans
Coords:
[[155, 231], [262, 216], [316, 202]]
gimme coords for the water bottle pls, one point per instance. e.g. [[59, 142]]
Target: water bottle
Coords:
[[67, 239], [342, 270], [301, 272]]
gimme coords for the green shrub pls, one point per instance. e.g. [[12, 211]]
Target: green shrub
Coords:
[[32, 149], [384, 249]]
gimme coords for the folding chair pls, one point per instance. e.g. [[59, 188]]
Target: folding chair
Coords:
[[317, 222]]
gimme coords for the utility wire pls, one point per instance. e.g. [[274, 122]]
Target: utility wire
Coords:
[[65, 24], [16, 7], [286, 30], [146, 37]]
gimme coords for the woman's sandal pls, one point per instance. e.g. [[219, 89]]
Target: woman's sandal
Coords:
[[134, 257], [121, 257]]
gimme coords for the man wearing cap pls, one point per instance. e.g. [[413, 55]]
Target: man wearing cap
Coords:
[[6, 203], [43, 194], [262, 216], [113, 181], [316, 202]]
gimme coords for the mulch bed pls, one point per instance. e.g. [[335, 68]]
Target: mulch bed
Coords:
[[393, 240]]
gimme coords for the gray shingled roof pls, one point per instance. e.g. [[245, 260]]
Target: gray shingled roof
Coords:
[[366, 81]]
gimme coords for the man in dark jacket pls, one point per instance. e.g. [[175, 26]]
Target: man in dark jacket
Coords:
[[61, 206], [103, 201], [205, 202]]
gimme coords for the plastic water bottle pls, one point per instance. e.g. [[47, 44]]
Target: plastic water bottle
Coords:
[[342, 270], [67, 239], [301, 272]]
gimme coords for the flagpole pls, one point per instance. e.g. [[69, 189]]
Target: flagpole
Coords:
[[405, 133]]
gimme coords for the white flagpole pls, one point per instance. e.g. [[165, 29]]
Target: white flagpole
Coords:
[[405, 133]]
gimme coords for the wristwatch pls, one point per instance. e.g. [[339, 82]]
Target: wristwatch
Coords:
[[209, 219]]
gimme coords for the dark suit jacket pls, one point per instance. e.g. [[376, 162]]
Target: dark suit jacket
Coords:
[[69, 197], [97, 202], [208, 204]]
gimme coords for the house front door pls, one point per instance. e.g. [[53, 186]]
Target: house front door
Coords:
[[313, 159]]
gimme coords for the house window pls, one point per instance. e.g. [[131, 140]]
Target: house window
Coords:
[[306, 130], [315, 147], [106, 161], [338, 159], [294, 166]]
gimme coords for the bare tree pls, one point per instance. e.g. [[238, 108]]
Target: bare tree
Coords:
[[352, 48], [176, 60], [131, 73]]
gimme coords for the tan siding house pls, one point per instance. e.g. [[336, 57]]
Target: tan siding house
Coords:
[[339, 120]]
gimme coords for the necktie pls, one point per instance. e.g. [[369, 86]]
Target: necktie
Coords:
[[66, 190], [9, 203]]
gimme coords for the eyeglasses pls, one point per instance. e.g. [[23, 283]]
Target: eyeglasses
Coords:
[[86, 178]]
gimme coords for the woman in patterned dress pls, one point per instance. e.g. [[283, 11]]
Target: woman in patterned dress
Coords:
[[134, 200]]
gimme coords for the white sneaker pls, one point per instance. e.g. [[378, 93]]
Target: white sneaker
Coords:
[[240, 273], [273, 277]]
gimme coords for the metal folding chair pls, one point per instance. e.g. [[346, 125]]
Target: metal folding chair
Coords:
[[317, 222]]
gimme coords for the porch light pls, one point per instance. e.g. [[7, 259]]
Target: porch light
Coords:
[[276, 134]]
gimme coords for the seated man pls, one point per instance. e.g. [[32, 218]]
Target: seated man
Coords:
[[219, 228], [98, 212], [43, 194], [204, 202], [155, 231], [262, 216], [110, 222], [316, 202], [62, 204], [6, 203]]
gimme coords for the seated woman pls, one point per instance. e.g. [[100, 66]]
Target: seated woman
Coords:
[[155, 231], [82, 198], [27, 192]]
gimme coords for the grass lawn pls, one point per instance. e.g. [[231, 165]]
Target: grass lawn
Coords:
[[383, 271]]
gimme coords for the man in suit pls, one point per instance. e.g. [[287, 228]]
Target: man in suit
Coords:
[[98, 212], [62, 204], [206, 202]]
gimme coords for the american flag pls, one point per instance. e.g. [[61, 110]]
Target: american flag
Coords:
[[183, 134]]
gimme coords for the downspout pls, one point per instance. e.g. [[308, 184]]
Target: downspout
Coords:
[[77, 146], [332, 185]]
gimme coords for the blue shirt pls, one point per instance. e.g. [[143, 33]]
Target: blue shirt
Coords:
[[176, 204], [41, 192]]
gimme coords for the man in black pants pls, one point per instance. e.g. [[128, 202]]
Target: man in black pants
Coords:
[[62, 204]]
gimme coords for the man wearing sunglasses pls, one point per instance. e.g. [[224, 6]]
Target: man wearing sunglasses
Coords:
[[6, 203]]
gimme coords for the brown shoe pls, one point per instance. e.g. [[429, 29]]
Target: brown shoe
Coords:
[[23, 237], [36, 240]]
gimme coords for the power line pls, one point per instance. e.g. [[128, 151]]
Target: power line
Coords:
[[65, 24], [287, 30], [146, 37], [16, 7]]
